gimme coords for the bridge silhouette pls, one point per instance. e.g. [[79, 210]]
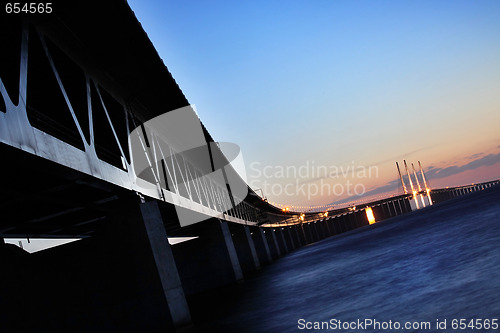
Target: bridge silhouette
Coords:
[[74, 85]]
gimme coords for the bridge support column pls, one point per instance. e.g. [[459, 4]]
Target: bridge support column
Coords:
[[290, 237], [317, 233], [386, 210], [331, 225], [407, 204], [351, 223], [272, 243], [275, 241], [339, 220], [299, 233], [401, 211], [362, 219], [244, 246], [323, 233], [328, 230], [308, 232], [390, 209], [264, 246], [334, 224], [347, 222], [312, 232], [327, 224], [282, 239], [209, 261], [233, 256], [321, 230], [252, 247], [394, 208], [339, 224], [165, 263]]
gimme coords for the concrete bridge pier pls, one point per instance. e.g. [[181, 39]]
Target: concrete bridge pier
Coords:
[[378, 213], [349, 221], [281, 240], [301, 235], [342, 223], [324, 228], [306, 228], [361, 218], [336, 224], [326, 223], [294, 236], [211, 260], [165, 264], [332, 223], [315, 231], [244, 246], [320, 230], [394, 208], [353, 221], [323, 231], [385, 208], [308, 233], [288, 240], [261, 245], [277, 241], [407, 205], [252, 247], [292, 244], [346, 222], [272, 243], [400, 206]]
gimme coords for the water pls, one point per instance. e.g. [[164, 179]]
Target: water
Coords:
[[439, 263]]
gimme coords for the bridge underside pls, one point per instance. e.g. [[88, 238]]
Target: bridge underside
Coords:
[[42, 199]]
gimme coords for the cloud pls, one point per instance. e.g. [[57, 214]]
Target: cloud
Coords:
[[487, 160], [475, 156]]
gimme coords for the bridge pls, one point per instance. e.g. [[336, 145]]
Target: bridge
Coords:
[[75, 85]]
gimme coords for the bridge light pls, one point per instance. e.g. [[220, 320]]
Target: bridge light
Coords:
[[369, 215]]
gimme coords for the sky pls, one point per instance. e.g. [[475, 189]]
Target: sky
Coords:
[[323, 97]]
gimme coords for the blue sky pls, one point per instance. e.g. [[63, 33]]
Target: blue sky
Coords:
[[339, 83]]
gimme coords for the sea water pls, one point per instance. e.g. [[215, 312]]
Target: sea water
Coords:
[[433, 270]]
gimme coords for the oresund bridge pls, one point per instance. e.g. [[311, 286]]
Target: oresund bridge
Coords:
[[83, 95]]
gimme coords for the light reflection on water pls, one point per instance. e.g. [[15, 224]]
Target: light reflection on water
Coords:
[[442, 262]]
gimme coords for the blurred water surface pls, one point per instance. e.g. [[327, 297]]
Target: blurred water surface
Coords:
[[442, 262]]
